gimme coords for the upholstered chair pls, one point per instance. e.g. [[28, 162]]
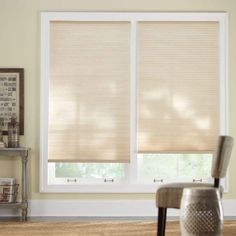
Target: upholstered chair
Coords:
[[169, 195]]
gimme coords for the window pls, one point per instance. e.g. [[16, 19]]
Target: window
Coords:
[[130, 100]]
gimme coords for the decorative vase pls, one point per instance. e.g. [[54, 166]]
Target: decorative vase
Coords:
[[13, 133]]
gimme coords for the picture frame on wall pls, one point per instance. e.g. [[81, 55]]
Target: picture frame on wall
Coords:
[[12, 97]]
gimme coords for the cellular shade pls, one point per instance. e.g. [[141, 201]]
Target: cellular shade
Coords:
[[178, 86], [89, 111]]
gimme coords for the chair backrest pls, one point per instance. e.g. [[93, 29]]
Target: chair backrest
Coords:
[[221, 158]]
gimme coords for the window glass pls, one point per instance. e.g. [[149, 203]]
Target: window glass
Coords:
[[174, 166], [90, 170]]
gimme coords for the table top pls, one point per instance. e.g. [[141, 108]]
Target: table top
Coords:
[[15, 149], [21, 151]]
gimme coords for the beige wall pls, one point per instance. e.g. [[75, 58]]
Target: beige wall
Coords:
[[19, 47]]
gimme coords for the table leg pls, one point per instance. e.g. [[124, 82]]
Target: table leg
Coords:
[[24, 199]]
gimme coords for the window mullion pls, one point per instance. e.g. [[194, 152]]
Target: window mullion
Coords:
[[133, 170]]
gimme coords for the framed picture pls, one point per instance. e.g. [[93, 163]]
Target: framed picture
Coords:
[[12, 97]]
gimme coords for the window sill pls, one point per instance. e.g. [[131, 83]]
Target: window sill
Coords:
[[100, 188], [107, 188]]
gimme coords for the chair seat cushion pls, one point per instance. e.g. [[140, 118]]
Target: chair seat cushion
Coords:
[[169, 195]]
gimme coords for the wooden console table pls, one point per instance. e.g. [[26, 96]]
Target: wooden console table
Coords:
[[23, 154]]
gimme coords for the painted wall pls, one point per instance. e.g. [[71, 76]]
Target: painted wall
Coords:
[[20, 47]]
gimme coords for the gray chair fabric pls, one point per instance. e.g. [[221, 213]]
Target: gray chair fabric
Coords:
[[169, 195], [221, 158]]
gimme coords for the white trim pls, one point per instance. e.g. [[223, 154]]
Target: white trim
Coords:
[[136, 16], [44, 98], [133, 104], [92, 208], [112, 187], [100, 188], [103, 208], [46, 17], [223, 54]]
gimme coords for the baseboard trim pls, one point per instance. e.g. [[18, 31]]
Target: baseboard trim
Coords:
[[102, 208]]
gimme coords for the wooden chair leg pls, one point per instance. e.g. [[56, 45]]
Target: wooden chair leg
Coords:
[[161, 221]]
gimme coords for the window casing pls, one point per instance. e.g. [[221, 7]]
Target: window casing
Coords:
[[134, 182]]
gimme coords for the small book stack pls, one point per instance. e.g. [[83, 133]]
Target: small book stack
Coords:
[[8, 190]]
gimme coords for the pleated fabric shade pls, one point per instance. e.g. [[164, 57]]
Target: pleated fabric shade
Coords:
[[89, 92], [178, 86]]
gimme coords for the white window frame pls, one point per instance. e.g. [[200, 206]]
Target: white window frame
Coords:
[[133, 186]]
